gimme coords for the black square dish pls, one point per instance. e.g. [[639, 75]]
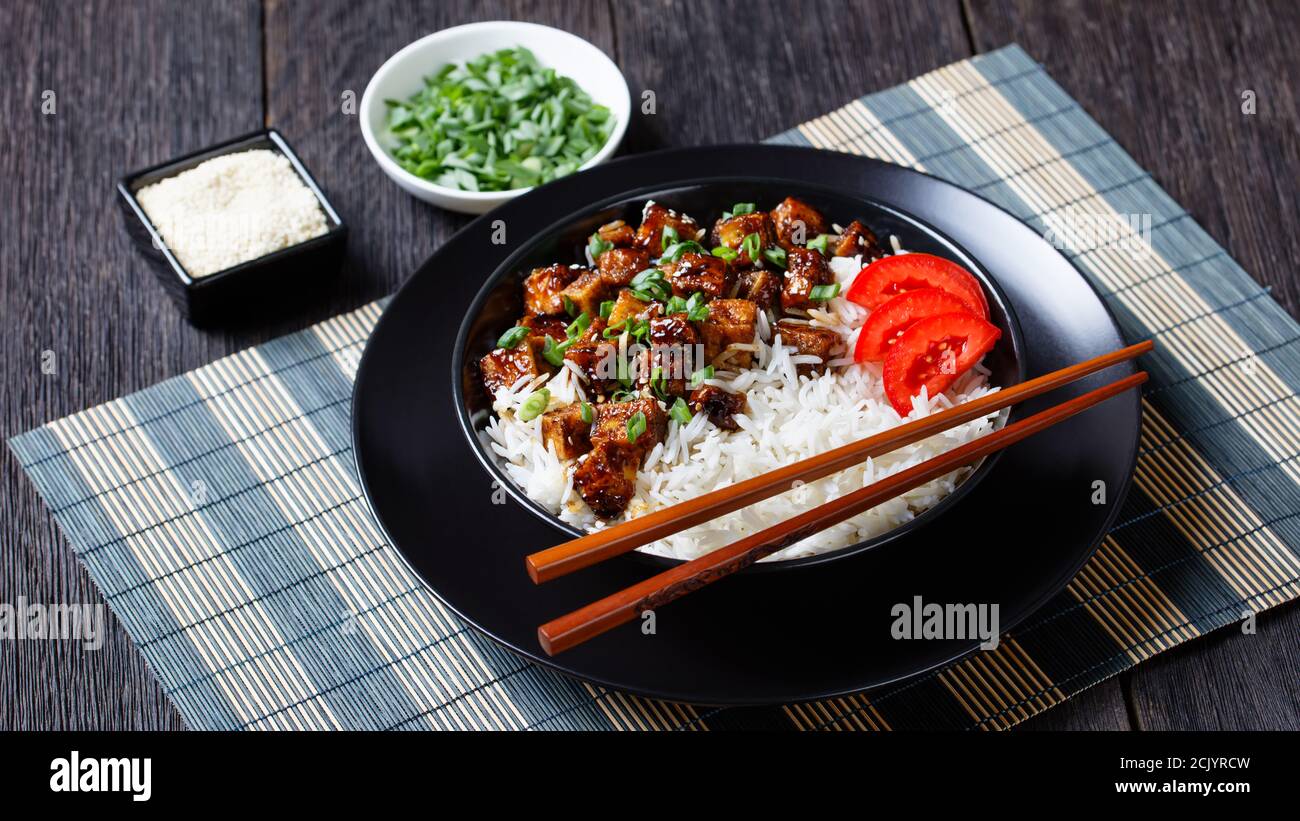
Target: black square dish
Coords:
[[277, 278]]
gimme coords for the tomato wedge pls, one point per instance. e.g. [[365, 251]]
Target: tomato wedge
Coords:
[[886, 278], [932, 354], [887, 323]]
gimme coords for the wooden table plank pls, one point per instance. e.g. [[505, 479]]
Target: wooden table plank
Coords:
[[1102, 707], [1225, 680], [1166, 80], [743, 71], [133, 84]]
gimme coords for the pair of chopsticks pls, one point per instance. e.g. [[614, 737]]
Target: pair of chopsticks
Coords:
[[596, 618]]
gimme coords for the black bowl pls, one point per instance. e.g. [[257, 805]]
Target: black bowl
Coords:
[[500, 303]]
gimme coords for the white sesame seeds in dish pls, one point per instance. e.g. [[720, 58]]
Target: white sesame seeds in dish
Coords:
[[232, 209]]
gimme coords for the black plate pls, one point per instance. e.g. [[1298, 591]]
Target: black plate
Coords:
[[1015, 539]]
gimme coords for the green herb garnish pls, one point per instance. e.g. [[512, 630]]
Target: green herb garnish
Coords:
[[534, 405], [553, 352], [821, 293], [822, 244], [696, 310], [658, 384], [667, 238], [512, 337], [615, 330], [702, 374], [597, 246], [681, 411], [674, 252], [606, 308], [569, 307], [497, 122], [635, 426], [638, 328], [578, 327], [742, 208], [776, 256], [752, 245], [586, 413], [725, 253], [650, 285]]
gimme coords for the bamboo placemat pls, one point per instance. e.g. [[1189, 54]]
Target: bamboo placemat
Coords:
[[220, 514]]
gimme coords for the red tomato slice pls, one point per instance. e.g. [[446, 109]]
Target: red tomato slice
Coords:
[[932, 354], [888, 322], [886, 278]]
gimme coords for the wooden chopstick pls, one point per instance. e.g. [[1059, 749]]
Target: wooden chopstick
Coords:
[[596, 618], [585, 551]]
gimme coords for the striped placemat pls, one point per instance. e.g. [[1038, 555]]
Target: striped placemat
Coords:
[[220, 514]]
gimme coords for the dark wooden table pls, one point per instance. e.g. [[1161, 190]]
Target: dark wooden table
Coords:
[[137, 82]]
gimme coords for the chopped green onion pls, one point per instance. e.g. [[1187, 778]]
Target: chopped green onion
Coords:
[[821, 244], [622, 396], [639, 328], [512, 337], [702, 374], [776, 256], [496, 122], [569, 307], [696, 310], [742, 208], [675, 305], [681, 411], [658, 384], [614, 330], [821, 293], [549, 352], [534, 405], [674, 252], [553, 352], [579, 326], [598, 246], [650, 285], [752, 245], [586, 413], [635, 426], [668, 238], [642, 277], [725, 253], [606, 308]]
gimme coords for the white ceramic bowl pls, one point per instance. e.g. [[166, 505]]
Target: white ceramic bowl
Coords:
[[403, 75]]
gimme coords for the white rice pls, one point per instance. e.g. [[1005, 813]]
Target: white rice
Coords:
[[788, 418]]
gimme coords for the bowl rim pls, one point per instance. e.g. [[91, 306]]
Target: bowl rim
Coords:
[[511, 262], [369, 99]]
